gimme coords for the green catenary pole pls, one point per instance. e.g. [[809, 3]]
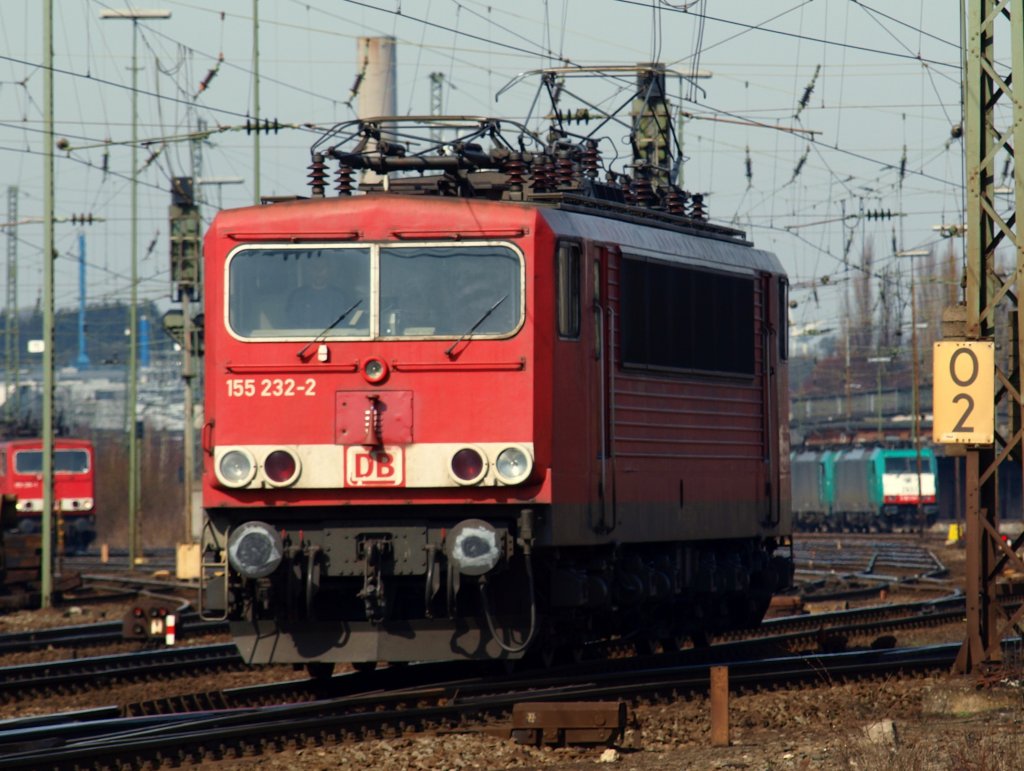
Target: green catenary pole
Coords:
[[46, 591]]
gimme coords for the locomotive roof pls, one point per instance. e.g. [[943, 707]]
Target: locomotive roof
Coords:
[[662, 239], [61, 442]]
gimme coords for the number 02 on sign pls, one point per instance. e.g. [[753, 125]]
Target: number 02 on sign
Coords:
[[963, 396]]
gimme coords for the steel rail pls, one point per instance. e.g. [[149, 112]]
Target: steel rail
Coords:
[[104, 632], [90, 672], [184, 738]]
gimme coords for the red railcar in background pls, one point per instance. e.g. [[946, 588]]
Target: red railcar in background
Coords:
[[74, 484], [475, 412]]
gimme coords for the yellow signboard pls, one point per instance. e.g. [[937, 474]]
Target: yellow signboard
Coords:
[[963, 398]]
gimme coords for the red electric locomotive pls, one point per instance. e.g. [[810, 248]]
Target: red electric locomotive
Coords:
[[21, 484], [488, 405]]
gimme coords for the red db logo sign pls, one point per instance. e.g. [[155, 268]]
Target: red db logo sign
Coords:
[[378, 467]]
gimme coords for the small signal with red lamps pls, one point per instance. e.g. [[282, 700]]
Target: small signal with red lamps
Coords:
[[151, 619]]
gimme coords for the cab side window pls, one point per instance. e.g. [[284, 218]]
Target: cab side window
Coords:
[[567, 279]]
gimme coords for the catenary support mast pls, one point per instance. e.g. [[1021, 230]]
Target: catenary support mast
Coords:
[[994, 126]]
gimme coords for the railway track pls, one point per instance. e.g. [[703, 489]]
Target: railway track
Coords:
[[826, 631], [97, 739], [832, 632], [100, 671], [867, 556], [356, 705], [102, 633], [832, 568]]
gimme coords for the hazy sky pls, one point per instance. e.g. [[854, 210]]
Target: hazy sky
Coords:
[[885, 97]]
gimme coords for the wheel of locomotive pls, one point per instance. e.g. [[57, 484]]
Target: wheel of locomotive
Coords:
[[320, 670]]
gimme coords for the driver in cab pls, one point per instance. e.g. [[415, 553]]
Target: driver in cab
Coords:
[[318, 300]]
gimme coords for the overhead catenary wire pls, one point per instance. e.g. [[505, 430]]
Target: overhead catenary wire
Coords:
[[824, 162], [799, 36]]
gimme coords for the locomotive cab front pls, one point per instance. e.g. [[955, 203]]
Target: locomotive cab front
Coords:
[[371, 431]]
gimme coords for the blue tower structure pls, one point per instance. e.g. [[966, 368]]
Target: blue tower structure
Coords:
[[144, 341], [82, 361]]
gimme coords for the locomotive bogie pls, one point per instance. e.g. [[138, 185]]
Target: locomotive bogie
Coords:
[[402, 591]]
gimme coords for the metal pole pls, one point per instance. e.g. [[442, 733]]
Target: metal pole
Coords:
[[189, 364], [958, 511], [133, 324], [187, 373], [917, 397], [990, 132], [879, 410], [256, 94], [46, 579], [846, 376], [133, 316]]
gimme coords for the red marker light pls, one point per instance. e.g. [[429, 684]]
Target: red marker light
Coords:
[[467, 464], [280, 466]]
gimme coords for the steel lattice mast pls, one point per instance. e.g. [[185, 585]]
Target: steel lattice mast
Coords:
[[994, 126]]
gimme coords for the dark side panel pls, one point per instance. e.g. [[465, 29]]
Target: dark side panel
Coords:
[[692, 432]]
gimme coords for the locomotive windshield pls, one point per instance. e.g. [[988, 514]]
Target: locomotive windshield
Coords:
[[421, 291], [64, 461], [905, 465], [443, 291], [296, 292]]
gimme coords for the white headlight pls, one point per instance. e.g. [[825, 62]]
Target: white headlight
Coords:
[[255, 549], [513, 465], [236, 468]]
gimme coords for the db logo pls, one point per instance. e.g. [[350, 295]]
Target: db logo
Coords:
[[375, 468]]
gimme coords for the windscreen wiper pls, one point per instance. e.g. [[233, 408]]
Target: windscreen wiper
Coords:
[[330, 326], [472, 329]]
